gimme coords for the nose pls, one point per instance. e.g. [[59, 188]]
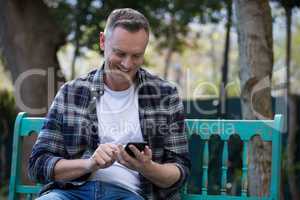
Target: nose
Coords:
[[127, 62]]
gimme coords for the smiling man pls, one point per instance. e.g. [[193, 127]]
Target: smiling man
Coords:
[[80, 152]]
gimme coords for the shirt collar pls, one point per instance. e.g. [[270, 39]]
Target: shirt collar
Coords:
[[98, 80]]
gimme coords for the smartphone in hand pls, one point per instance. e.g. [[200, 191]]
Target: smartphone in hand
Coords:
[[139, 145]]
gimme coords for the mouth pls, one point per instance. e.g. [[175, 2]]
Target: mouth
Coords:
[[122, 69]]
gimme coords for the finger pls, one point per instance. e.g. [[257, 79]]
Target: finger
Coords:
[[105, 156], [120, 147], [135, 151], [115, 155], [108, 149], [100, 162], [148, 151], [113, 147], [126, 157], [108, 161]]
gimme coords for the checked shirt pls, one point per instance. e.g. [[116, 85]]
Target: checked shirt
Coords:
[[70, 130]]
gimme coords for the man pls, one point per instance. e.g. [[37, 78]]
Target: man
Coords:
[[80, 154]]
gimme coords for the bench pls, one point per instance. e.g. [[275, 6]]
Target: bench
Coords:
[[269, 130], [24, 126]]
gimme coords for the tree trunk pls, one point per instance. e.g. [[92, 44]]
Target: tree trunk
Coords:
[[77, 35], [224, 69], [168, 57], [288, 13], [256, 62], [178, 74], [29, 41], [292, 116], [170, 47], [75, 55], [291, 147]]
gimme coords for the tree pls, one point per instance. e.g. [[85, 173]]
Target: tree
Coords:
[[224, 68], [291, 101], [291, 104], [171, 23], [29, 40], [256, 62]]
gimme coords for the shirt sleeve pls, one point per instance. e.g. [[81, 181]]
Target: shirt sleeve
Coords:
[[176, 141], [49, 147]]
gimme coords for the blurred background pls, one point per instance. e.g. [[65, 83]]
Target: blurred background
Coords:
[[199, 45]]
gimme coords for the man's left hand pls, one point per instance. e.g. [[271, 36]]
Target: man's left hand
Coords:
[[141, 162]]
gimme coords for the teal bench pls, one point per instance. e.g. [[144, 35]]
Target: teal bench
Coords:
[[24, 126], [269, 130]]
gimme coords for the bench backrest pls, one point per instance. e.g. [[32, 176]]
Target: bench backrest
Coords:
[[24, 126], [268, 130]]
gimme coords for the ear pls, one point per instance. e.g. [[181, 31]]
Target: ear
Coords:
[[101, 40]]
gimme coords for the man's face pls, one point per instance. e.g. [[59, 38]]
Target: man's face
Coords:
[[123, 54]]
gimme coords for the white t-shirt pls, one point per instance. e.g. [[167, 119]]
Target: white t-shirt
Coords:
[[119, 123]]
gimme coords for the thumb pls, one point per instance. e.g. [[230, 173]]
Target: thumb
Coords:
[[148, 151]]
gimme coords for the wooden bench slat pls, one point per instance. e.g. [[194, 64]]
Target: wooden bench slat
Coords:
[[245, 169], [30, 125], [28, 189], [205, 169], [224, 168]]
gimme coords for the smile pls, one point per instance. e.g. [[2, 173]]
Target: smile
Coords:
[[122, 69]]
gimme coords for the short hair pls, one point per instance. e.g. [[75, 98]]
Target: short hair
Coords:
[[127, 18]]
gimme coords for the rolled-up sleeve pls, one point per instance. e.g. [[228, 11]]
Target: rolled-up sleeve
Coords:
[[49, 147]]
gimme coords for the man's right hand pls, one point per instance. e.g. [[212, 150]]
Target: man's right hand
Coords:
[[104, 156]]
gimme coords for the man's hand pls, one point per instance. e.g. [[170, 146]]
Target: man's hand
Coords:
[[104, 156], [162, 175], [142, 160]]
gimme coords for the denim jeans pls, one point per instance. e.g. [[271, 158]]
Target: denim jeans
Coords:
[[92, 190]]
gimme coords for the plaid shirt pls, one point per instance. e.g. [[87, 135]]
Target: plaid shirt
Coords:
[[70, 130]]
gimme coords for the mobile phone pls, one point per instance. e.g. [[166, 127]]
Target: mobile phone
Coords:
[[139, 145]]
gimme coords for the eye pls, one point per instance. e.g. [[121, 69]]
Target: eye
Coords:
[[120, 54], [137, 56]]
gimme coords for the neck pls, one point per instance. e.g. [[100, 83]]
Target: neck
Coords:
[[116, 86]]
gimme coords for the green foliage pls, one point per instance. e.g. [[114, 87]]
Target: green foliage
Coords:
[[7, 102], [83, 20], [7, 112], [7, 118]]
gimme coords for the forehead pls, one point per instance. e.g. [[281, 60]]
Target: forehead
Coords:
[[126, 41]]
